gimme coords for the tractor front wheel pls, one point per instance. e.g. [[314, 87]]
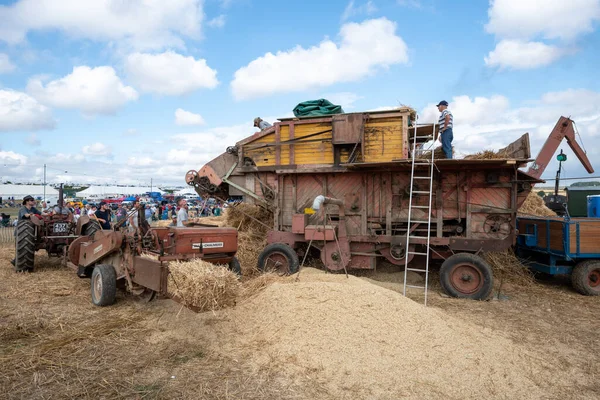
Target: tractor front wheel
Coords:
[[279, 258], [25, 246], [104, 285], [466, 276], [586, 277]]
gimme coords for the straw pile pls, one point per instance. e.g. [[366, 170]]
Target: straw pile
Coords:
[[251, 234], [508, 268], [486, 155], [202, 286], [534, 206]]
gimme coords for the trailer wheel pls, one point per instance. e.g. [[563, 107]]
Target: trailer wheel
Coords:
[[104, 285], [91, 228], [24, 246], [466, 276], [235, 266], [280, 258], [586, 277]]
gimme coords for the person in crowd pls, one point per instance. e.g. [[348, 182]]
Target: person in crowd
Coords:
[[133, 219], [182, 215], [102, 214], [165, 212], [446, 123], [86, 209], [27, 210], [121, 213], [148, 213], [260, 124], [92, 210], [173, 211]]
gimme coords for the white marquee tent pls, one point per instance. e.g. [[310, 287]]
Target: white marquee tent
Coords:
[[185, 191], [20, 191], [102, 191]]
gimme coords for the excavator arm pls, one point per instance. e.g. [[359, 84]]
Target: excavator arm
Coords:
[[562, 130]]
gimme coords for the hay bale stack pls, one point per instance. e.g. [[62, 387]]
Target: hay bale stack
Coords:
[[203, 286], [534, 206]]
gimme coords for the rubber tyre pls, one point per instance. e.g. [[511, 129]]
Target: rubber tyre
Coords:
[[585, 277], [235, 266], [284, 254], [91, 228], [24, 246], [480, 283], [104, 285]]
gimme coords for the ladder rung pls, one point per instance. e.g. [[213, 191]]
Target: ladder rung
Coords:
[[419, 206], [416, 287], [422, 163], [421, 191], [418, 237], [422, 177], [417, 253], [416, 221], [416, 269]]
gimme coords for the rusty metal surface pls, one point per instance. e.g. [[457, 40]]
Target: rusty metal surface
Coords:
[[149, 274], [205, 241], [319, 232], [466, 278], [105, 242], [299, 222]]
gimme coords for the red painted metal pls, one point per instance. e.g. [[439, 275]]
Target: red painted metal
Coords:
[[562, 130]]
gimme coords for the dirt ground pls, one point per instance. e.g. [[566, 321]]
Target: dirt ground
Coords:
[[321, 337]]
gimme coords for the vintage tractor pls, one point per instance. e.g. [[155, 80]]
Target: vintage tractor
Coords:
[[139, 256], [52, 231]]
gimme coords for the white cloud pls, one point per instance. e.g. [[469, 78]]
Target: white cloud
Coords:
[[131, 132], [524, 27], [144, 24], [363, 49], [6, 65], [91, 90], [217, 22], [97, 149], [33, 140], [186, 118], [352, 10], [169, 73], [20, 112], [345, 99], [557, 19], [523, 55]]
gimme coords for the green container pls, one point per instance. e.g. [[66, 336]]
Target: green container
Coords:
[[577, 199]]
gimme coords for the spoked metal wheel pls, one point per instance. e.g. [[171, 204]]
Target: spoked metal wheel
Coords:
[[279, 258]]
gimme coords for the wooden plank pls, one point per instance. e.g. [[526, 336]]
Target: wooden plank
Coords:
[[589, 237]]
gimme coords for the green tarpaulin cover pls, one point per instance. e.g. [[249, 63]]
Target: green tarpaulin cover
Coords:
[[316, 108]]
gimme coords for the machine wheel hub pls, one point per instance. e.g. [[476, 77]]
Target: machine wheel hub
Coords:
[[466, 278], [594, 278]]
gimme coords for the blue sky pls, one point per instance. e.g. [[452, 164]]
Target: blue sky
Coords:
[[93, 87]]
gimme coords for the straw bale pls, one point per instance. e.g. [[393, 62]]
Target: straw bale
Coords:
[[203, 285], [534, 206]]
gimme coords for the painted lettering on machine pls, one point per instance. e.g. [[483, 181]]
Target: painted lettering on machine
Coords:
[[207, 245]]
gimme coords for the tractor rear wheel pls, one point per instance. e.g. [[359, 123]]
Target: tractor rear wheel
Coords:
[[280, 258], [91, 228], [234, 266], [586, 277], [25, 246], [466, 276], [104, 285]]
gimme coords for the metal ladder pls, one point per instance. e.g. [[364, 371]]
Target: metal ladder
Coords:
[[425, 189]]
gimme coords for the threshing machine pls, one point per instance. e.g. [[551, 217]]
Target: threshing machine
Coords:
[[363, 163]]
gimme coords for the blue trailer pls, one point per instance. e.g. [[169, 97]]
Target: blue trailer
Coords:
[[556, 245]]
